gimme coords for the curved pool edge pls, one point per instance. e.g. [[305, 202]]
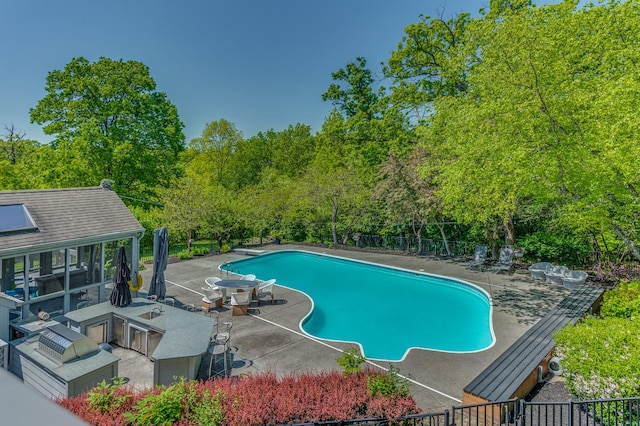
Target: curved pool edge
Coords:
[[411, 271]]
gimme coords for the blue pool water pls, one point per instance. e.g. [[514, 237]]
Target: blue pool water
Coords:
[[387, 311]]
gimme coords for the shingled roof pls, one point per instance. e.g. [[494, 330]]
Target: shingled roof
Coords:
[[68, 217]]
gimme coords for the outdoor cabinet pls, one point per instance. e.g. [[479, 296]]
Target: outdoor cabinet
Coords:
[[119, 331]]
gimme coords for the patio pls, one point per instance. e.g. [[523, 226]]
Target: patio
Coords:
[[269, 340]]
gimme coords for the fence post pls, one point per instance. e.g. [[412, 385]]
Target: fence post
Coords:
[[570, 414]]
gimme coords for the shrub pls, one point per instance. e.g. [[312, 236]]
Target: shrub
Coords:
[[255, 399], [226, 248], [623, 301], [183, 255], [601, 357], [199, 251], [180, 401], [558, 249], [389, 384], [105, 397], [351, 361]]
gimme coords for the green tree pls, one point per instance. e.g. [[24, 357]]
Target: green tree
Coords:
[[186, 207], [535, 125], [20, 165], [409, 198], [355, 96], [110, 122], [216, 147], [431, 61]]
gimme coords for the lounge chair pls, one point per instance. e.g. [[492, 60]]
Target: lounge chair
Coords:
[[539, 269], [505, 262], [574, 279], [555, 274], [479, 258], [266, 290]]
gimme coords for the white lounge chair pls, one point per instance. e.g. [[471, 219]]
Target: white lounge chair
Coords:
[[539, 269], [555, 274], [240, 303], [574, 279], [266, 290]]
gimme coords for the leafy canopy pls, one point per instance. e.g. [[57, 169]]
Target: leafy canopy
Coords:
[[110, 122]]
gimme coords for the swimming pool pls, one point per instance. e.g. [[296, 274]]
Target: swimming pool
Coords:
[[386, 311]]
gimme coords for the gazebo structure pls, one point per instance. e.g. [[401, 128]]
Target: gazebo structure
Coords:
[[57, 251]]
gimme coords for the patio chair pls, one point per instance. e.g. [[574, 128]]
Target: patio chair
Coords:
[[479, 258], [265, 290], [555, 274], [211, 282], [539, 269], [213, 296], [240, 302], [249, 277], [574, 279], [505, 261]]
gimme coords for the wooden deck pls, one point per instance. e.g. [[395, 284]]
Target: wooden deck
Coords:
[[515, 372]]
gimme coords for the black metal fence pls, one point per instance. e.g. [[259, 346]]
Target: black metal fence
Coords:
[[624, 266], [514, 412]]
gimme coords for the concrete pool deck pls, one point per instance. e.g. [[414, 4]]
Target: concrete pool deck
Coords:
[[269, 339]]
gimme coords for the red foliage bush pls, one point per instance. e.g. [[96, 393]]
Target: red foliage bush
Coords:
[[262, 399]]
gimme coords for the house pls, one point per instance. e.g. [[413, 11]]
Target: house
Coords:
[[58, 250]]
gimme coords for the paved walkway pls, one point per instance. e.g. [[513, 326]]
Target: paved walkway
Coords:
[[269, 339]]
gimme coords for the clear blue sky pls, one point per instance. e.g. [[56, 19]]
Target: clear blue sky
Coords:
[[260, 64]]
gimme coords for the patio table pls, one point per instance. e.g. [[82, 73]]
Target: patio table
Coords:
[[234, 285]]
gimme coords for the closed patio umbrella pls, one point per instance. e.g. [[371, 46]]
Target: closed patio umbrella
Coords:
[[121, 295], [158, 287]]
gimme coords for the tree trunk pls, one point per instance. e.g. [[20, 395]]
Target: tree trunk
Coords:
[[417, 232], [510, 232], [627, 242], [334, 220], [444, 238]]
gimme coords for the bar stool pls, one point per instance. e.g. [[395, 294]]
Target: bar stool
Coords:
[[220, 344]]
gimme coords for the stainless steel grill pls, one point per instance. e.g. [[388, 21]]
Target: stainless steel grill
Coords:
[[61, 344]]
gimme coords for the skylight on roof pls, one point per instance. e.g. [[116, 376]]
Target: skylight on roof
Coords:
[[15, 218]]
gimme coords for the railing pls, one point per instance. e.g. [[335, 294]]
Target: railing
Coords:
[[229, 268], [429, 246], [515, 412], [433, 419]]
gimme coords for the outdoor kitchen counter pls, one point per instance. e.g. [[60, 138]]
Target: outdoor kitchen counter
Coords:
[[185, 334], [67, 371]]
